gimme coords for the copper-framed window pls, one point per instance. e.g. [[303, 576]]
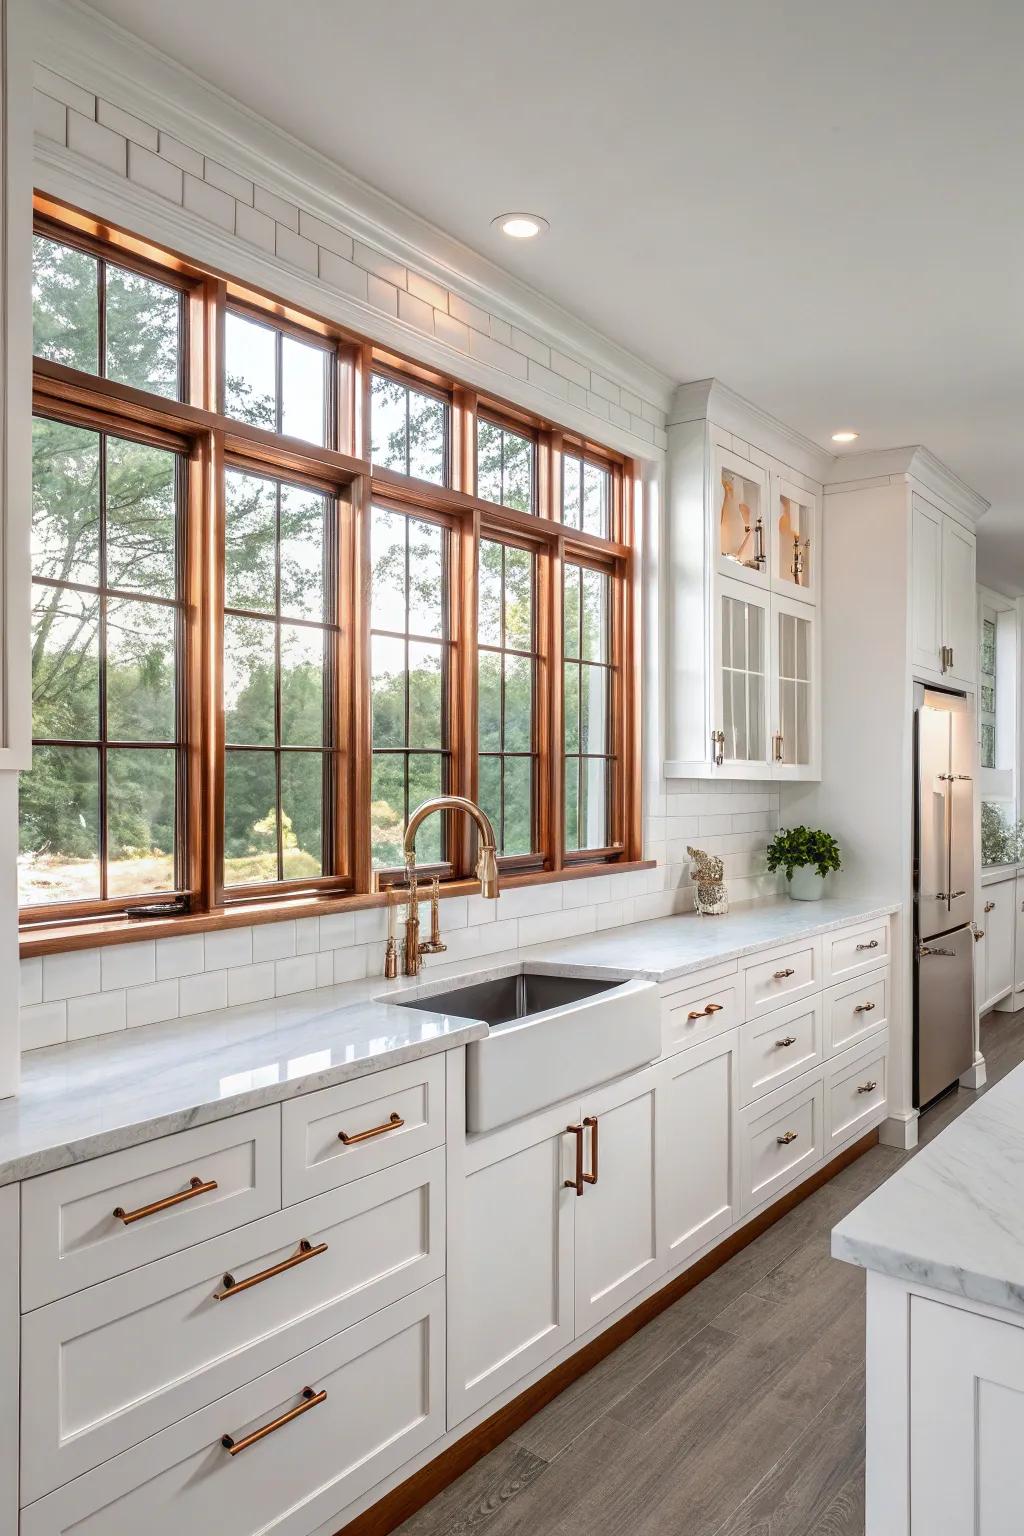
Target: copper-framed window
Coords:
[[383, 587]]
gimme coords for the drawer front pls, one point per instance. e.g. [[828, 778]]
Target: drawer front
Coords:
[[71, 1237], [688, 1018], [383, 1402], [855, 1092], [385, 1118], [776, 1049], [785, 978], [778, 1139], [103, 1370], [856, 1010], [855, 950]]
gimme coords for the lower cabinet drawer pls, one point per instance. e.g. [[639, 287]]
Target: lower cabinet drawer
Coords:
[[854, 1010], [855, 950], [792, 974], [776, 1049], [376, 1398], [106, 1368], [856, 1088], [780, 1136], [698, 1014], [344, 1133]]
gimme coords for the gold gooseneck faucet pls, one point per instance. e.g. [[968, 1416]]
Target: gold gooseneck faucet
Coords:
[[486, 871]]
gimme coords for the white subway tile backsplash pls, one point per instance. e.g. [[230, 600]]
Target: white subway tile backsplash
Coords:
[[381, 294], [128, 965], [501, 331], [337, 929], [324, 968], [493, 938], [43, 1024], [415, 312], [73, 974], [273, 941], [184, 956], [556, 925], [101, 144], [128, 124], [296, 249], [430, 292], [227, 947], [528, 900], [351, 964], [379, 264], [181, 155], [151, 1004], [155, 174], [497, 355], [99, 1015], [452, 332], [209, 203], [307, 931], [327, 236], [238, 187], [257, 228], [30, 982], [342, 274], [296, 974], [470, 314], [546, 380], [577, 373], [64, 90], [251, 983], [371, 925], [281, 211], [49, 117], [199, 994], [531, 347]]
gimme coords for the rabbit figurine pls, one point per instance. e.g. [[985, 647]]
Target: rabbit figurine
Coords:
[[710, 896]]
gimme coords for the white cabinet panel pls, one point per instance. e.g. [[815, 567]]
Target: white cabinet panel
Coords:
[[9, 1346], [856, 1090], [1018, 947], [790, 974], [959, 601], [854, 1010], [695, 1014], [856, 950], [616, 1218], [698, 1167], [998, 921], [966, 1422], [382, 1386], [779, 1047], [926, 637], [780, 1137]]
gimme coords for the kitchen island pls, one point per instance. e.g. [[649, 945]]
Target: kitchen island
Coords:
[[943, 1244]]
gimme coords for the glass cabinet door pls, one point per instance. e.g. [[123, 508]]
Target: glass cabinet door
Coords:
[[795, 543], [739, 509], [794, 726], [741, 735]]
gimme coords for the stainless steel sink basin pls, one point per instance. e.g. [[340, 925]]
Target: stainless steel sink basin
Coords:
[[550, 1038], [510, 998]]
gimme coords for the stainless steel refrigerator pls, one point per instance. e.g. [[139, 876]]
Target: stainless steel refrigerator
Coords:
[[944, 751]]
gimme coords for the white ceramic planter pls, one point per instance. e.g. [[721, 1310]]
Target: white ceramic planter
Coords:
[[806, 884]]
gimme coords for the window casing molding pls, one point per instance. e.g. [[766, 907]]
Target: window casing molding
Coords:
[[210, 441]]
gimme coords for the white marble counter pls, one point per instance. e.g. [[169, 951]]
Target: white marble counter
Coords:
[[81, 1100], [953, 1217], [995, 874]]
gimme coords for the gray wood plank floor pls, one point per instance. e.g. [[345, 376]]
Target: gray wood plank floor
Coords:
[[737, 1412]]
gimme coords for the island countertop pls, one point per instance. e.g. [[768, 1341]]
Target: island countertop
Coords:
[[953, 1217], [94, 1096]]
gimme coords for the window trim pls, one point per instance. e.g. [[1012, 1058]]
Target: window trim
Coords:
[[209, 439]]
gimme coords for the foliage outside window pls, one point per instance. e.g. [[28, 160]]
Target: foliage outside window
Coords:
[[253, 655], [987, 692]]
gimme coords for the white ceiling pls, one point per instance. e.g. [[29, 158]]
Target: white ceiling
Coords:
[[819, 203]]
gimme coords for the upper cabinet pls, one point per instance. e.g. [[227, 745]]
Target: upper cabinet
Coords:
[[741, 595], [944, 640]]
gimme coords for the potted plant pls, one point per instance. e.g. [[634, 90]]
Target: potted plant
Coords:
[[807, 856]]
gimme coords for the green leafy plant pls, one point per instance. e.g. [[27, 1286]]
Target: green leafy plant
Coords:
[[794, 847]]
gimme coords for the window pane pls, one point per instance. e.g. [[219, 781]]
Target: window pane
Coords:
[[504, 466], [250, 817], [518, 473], [248, 681], [571, 705], [250, 539], [596, 500], [143, 332], [65, 305], [594, 803], [518, 830], [387, 563], [518, 704], [302, 686], [593, 709], [489, 700], [594, 625], [303, 516], [572, 803], [303, 390], [572, 492], [59, 800], [141, 821], [388, 436], [489, 789], [426, 779], [141, 517], [426, 687], [65, 664], [65, 502], [488, 461], [302, 814], [489, 602], [387, 688], [387, 809], [518, 599], [426, 578], [140, 671], [427, 423], [250, 371], [571, 611]]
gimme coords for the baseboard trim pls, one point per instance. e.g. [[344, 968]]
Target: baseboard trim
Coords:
[[405, 1499]]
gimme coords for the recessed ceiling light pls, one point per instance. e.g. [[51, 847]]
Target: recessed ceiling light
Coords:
[[845, 437], [520, 226]]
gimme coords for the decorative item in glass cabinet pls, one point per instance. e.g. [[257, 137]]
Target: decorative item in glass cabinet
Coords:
[[798, 548], [711, 898], [806, 855], [739, 540]]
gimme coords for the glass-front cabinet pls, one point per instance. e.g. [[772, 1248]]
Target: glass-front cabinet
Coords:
[[739, 500], [741, 680], [795, 540], [794, 676]]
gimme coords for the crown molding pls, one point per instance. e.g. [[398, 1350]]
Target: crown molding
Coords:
[[84, 184], [78, 43], [913, 462], [715, 401]]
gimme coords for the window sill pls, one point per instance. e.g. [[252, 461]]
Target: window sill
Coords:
[[51, 939]]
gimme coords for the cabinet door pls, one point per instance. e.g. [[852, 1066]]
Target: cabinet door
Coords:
[[794, 685], [697, 1164], [616, 1219], [741, 661], [511, 1284], [959, 598], [927, 638], [966, 1422], [998, 920], [795, 551], [740, 517], [1018, 948]]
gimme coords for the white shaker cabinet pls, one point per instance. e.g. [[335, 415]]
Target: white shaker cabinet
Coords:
[[994, 955], [943, 610], [697, 1101]]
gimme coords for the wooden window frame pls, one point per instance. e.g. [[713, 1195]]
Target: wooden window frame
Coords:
[[210, 440]]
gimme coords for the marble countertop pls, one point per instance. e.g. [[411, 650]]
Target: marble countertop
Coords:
[[81, 1100], [994, 874], [953, 1217]]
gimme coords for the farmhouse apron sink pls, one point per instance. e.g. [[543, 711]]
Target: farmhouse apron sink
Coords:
[[550, 1038]]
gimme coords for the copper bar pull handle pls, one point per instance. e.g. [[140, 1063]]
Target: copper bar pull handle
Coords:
[[305, 1250], [873, 943], [868, 1087], [577, 1182], [310, 1399], [393, 1123], [990, 906], [786, 1040], [196, 1186], [591, 1177], [864, 1008], [785, 1139], [781, 975], [705, 1013]]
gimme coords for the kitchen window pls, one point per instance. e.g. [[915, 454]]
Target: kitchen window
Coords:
[[286, 586]]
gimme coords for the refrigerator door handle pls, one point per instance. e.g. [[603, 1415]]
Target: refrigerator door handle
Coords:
[[933, 949]]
